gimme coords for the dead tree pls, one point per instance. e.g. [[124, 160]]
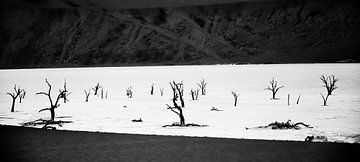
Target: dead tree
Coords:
[[176, 108], [288, 101], [202, 86], [102, 93], [96, 88], [129, 92], [161, 91], [179, 89], [22, 95], [235, 97], [297, 101], [66, 92], [106, 94], [325, 98], [14, 95], [195, 94], [87, 94], [53, 105], [152, 89], [329, 83], [274, 88]]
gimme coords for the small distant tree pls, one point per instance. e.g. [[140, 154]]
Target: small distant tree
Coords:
[[179, 88], [14, 95], [176, 108], [22, 95], [129, 92], [274, 88], [202, 86], [66, 93], [102, 93], [235, 95], [96, 88], [53, 105], [195, 94], [297, 101], [87, 94], [152, 89], [329, 83], [161, 91]]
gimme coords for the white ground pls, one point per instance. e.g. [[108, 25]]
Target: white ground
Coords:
[[338, 122]]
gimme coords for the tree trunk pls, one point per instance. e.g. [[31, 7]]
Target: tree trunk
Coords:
[[273, 96], [13, 105], [52, 111], [235, 101]]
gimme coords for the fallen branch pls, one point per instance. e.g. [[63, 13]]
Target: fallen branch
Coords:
[[282, 125]]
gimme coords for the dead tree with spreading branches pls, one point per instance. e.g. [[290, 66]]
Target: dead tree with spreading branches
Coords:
[[96, 88], [274, 88], [202, 85], [14, 95], [235, 95], [53, 105], [176, 108], [87, 94], [129, 92], [179, 88], [329, 83]]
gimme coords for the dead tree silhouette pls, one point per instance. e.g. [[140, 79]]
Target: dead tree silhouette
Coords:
[[179, 88], [96, 88], [53, 105], [66, 93], [14, 95], [235, 97], [273, 88], [329, 83], [176, 108], [22, 95], [202, 85], [87, 94]]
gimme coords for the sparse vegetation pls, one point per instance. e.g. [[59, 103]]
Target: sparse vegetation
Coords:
[[274, 88]]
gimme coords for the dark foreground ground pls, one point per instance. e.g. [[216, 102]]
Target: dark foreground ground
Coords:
[[29, 144]]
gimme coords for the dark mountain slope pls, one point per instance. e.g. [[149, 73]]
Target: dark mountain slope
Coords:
[[245, 32]]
